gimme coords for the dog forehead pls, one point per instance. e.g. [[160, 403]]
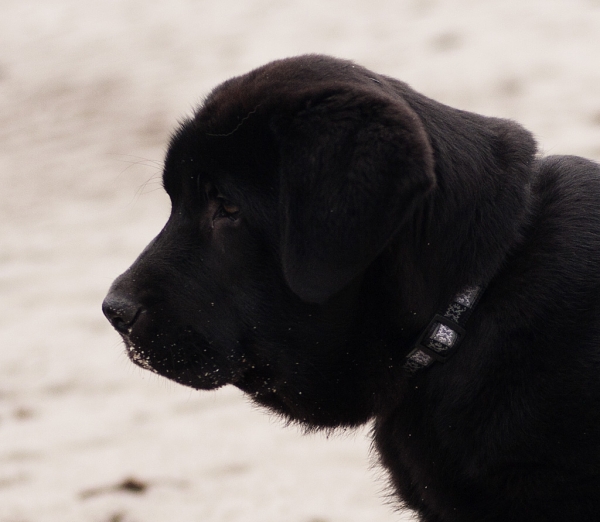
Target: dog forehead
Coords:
[[238, 166]]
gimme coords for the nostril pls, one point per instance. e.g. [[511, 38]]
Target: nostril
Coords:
[[120, 311]]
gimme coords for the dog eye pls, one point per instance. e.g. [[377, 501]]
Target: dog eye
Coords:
[[227, 208]]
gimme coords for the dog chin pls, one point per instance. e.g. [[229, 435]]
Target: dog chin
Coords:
[[138, 356], [189, 375]]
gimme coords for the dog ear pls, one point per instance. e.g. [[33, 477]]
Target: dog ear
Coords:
[[353, 168]]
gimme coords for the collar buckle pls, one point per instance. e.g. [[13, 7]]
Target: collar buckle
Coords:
[[444, 333], [439, 339]]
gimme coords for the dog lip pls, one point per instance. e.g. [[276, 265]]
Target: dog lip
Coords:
[[203, 373], [138, 356]]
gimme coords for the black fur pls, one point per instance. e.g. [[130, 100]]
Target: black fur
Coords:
[[321, 214]]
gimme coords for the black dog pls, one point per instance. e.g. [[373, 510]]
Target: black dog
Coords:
[[344, 250]]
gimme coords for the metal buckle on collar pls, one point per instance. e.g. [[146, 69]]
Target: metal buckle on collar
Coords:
[[438, 341], [444, 333]]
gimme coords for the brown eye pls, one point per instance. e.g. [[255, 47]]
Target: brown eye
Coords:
[[227, 208]]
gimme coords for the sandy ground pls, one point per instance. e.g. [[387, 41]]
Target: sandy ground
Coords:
[[89, 92]]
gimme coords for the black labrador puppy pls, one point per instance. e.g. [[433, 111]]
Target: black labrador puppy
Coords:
[[346, 250]]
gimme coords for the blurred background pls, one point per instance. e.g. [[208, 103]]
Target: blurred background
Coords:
[[89, 94]]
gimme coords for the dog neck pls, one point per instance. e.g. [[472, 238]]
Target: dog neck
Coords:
[[471, 223]]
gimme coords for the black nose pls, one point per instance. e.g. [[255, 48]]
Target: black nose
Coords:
[[121, 311]]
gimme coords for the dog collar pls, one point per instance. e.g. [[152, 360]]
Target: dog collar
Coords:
[[444, 333]]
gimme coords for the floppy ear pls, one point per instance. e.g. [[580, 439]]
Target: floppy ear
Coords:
[[353, 168]]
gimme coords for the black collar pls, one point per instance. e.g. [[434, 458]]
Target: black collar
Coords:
[[441, 337]]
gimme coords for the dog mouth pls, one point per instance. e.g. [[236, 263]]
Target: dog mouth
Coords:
[[184, 357], [138, 356]]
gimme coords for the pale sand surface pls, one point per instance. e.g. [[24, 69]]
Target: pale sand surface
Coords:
[[89, 92]]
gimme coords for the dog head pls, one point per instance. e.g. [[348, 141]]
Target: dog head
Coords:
[[289, 187], [285, 187]]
